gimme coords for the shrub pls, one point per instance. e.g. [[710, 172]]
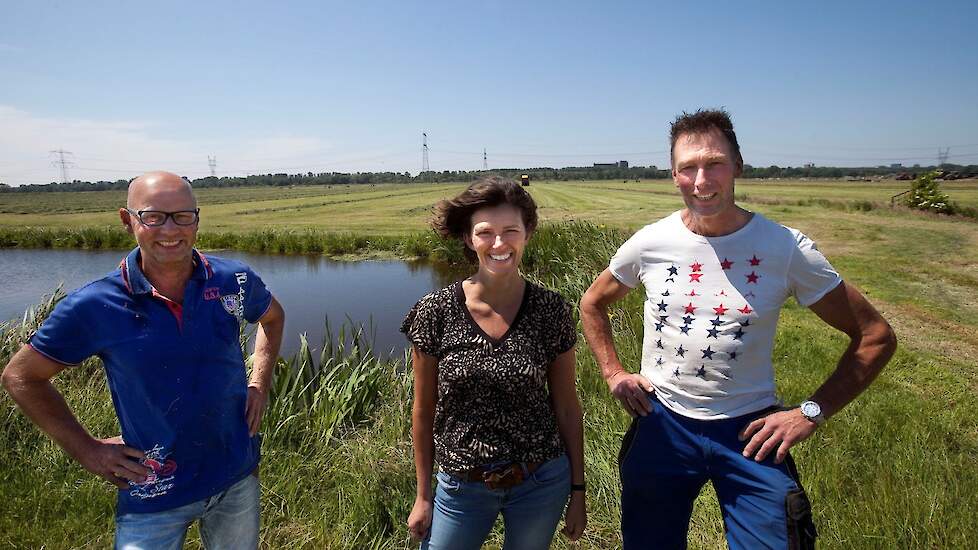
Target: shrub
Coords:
[[926, 195]]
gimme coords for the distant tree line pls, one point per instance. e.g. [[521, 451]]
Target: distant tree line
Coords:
[[536, 174]]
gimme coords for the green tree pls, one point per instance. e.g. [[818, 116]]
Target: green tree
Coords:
[[926, 194]]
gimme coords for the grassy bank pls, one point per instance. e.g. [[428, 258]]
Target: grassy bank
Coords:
[[893, 470], [272, 241]]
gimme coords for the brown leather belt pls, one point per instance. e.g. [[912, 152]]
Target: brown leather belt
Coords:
[[501, 477]]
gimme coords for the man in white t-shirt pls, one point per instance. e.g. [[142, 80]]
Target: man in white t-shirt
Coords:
[[715, 278]]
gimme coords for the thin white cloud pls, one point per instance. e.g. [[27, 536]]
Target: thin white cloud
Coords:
[[112, 150]]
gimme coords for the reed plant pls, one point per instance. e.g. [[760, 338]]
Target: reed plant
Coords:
[[310, 399], [13, 334], [271, 241]]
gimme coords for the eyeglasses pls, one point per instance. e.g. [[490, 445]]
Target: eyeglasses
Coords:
[[156, 218]]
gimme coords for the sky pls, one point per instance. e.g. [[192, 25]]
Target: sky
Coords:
[[322, 86]]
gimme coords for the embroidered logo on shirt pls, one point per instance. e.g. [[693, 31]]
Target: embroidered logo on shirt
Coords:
[[160, 479], [212, 293], [231, 303]]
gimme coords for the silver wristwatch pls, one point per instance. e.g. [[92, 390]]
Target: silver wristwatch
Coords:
[[813, 411]]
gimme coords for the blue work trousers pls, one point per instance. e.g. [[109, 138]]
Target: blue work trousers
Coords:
[[665, 460]]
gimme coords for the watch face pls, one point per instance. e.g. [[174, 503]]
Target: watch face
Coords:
[[810, 409]]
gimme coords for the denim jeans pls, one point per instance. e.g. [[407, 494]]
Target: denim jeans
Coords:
[[464, 512], [228, 520], [667, 458]]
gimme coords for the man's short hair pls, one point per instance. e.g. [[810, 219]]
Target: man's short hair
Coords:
[[701, 122]]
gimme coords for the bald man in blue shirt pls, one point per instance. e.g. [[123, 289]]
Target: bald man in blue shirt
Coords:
[[165, 324]]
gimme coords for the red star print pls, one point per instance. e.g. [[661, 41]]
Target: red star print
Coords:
[[752, 277], [690, 308], [695, 277], [722, 293], [692, 293], [726, 264], [745, 310], [720, 310], [696, 266], [754, 260]]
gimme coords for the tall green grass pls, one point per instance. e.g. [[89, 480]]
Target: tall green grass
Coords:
[[280, 241], [309, 399]]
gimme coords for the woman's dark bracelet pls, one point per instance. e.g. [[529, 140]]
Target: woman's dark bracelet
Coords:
[[577, 487]]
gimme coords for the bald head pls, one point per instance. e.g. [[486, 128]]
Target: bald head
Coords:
[[152, 190]]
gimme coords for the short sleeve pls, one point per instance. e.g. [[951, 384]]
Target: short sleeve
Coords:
[[257, 297], [422, 326], [64, 336], [566, 328], [626, 264], [810, 275]]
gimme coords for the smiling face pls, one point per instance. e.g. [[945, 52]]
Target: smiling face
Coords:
[[498, 237], [704, 169], [168, 246]]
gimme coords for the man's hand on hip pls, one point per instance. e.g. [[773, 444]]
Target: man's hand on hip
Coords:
[[255, 408], [115, 462], [632, 390], [782, 429]]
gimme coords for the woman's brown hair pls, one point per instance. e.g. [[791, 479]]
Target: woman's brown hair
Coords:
[[453, 217]]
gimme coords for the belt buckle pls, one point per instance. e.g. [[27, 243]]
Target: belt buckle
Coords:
[[503, 477]]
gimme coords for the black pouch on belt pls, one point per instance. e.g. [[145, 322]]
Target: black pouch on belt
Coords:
[[801, 527]]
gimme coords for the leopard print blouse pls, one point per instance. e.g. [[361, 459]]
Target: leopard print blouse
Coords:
[[493, 399]]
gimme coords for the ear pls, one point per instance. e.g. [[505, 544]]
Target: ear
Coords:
[[126, 218], [467, 239], [739, 167]]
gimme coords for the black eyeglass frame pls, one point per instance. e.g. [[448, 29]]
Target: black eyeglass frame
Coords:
[[166, 216]]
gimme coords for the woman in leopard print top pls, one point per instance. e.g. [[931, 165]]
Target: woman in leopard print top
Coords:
[[493, 360]]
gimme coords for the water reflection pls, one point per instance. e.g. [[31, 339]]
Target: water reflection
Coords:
[[374, 293]]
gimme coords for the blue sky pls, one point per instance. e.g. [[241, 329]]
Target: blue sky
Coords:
[[348, 86]]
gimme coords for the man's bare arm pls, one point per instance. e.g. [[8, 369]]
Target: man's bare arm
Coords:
[[871, 344], [630, 389], [268, 341], [27, 378]]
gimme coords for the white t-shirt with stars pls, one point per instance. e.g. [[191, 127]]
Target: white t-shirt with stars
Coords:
[[712, 306]]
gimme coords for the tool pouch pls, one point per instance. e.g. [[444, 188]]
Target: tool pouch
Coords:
[[801, 527]]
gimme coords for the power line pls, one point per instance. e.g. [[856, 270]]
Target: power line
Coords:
[[62, 162], [212, 163], [558, 155], [942, 155], [858, 148], [750, 152], [424, 153], [485, 160]]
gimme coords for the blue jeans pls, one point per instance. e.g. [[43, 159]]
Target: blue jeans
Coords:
[[227, 520], [464, 511], [666, 459]]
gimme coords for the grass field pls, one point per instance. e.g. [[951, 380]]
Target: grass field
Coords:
[[396, 209], [896, 469]]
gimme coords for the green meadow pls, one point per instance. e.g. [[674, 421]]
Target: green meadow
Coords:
[[895, 469], [396, 209]]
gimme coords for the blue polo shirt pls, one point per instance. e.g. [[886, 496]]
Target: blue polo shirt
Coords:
[[175, 371]]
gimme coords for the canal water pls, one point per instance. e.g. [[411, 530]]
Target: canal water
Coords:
[[374, 294]]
